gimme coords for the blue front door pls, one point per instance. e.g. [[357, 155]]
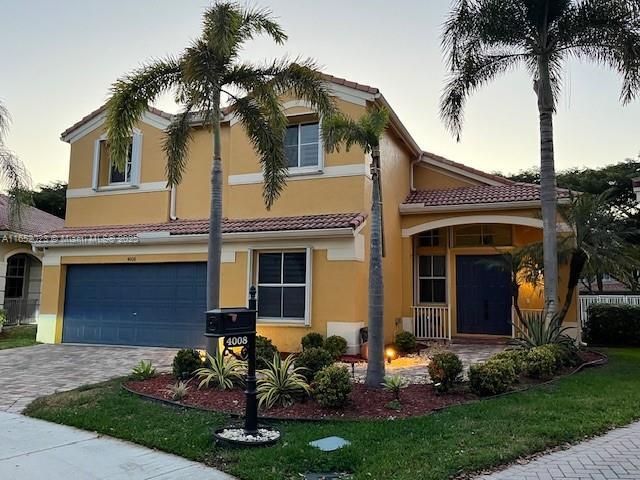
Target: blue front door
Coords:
[[483, 296], [160, 304]]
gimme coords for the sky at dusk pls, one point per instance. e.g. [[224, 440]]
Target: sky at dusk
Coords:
[[58, 60]]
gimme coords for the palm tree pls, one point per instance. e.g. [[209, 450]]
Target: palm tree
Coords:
[[208, 71], [597, 244], [484, 38], [14, 176], [365, 133]]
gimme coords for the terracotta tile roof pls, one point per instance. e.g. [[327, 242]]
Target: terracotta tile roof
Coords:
[[201, 226], [350, 84], [516, 192], [32, 220], [446, 161]]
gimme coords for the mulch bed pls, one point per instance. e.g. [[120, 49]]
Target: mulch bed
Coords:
[[366, 403]]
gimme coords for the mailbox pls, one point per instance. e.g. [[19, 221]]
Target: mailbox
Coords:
[[223, 322]]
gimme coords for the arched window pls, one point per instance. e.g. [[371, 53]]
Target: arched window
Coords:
[[16, 268]]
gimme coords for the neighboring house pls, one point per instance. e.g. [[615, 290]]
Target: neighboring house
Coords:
[[636, 187], [21, 267], [128, 268]]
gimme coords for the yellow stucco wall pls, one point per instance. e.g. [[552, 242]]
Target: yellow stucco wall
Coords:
[[432, 178]]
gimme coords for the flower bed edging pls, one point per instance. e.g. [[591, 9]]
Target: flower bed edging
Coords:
[[269, 418]]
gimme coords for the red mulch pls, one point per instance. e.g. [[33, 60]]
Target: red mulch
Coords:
[[416, 399], [365, 402]]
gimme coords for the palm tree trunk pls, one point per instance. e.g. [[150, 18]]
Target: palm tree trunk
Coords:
[[548, 193], [214, 249], [576, 265], [375, 363]]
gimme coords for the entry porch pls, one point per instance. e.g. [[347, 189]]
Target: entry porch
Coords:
[[461, 279]]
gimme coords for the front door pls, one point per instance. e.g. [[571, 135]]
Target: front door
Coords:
[[483, 297]]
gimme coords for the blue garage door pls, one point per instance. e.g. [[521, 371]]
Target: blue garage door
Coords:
[[143, 304]]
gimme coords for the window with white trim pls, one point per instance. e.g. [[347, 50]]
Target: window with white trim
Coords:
[[15, 275], [105, 173], [302, 145], [432, 279], [282, 286], [116, 176]]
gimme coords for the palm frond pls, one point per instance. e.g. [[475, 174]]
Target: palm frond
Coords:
[[176, 146], [5, 122], [266, 129], [130, 98], [365, 132]]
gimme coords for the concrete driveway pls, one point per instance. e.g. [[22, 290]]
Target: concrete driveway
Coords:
[[30, 372]]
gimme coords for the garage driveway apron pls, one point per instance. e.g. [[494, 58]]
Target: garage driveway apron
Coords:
[[30, 372]]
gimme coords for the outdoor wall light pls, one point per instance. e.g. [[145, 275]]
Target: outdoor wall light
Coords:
[[390, 352]]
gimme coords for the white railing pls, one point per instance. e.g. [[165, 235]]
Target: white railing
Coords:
[[587, 300], [432, 322], [20, 311], [527, 313]]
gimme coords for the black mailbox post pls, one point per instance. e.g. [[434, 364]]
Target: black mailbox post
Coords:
[[238, 327]]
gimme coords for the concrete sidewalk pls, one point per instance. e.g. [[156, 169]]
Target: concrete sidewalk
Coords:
[[34, 449]]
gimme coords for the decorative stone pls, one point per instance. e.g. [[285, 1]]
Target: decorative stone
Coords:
[[239, 435], [329, 444]]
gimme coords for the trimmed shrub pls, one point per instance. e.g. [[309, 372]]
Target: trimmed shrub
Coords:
[[405, 342], [185, 363], [265, 350], [493, 377], [445, 370], [516, 356], [332, 386], [336, 346], [540, 362], [566, 355], [312, 340], [613, 325], [313, 360]]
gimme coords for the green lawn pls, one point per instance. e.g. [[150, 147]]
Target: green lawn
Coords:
[[461, 439], [23, 336]]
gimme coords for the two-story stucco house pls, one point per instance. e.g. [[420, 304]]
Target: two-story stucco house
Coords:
[[128, 267]]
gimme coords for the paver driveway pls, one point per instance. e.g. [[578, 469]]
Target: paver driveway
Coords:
[[30, 372]]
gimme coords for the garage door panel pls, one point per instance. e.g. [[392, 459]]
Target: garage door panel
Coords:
[[144, 304]]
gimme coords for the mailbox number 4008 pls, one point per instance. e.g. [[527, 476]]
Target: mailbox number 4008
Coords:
[[238, 341]]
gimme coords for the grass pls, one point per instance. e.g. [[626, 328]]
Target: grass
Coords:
[[21, 336], [458, 440]]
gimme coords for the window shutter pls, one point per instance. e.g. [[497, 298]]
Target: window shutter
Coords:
[[136, 158], [309, 287], [96, 165]]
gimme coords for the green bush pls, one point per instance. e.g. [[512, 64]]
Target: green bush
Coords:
[[143, 371], [405, 342], [540, 362], [332, 386], [313, 360], [613, 325], [185, 363], [492, 377], [336, 346], [445, 370], [265, 350], [516, 356], [312, 340]]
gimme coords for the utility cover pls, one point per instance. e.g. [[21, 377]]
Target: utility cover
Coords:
[[329, 444]]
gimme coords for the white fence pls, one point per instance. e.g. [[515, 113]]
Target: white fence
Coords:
[[587, 300], [432, 322], [517, 326]]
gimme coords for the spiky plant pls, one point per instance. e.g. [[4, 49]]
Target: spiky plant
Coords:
[[221, 371], [281, 383], [143, 371], [541, 328], [366, 133], [485, 38], [178, 390], [207, 73], [395, 384]]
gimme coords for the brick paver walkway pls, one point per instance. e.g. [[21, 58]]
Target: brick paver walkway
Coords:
[[30, 372], [615, 455]]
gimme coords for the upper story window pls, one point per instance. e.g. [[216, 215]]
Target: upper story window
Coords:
[[105, 173], [481, 235], [302, 145]]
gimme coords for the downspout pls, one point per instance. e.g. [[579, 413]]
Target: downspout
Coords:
[[412, 187], [172, 203]]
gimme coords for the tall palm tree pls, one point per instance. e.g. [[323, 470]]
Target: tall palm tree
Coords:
[[484, 38], [208, 72], [365, 133], [14, 176]]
